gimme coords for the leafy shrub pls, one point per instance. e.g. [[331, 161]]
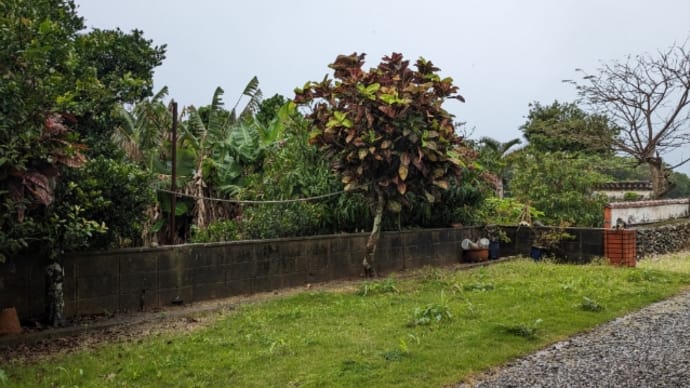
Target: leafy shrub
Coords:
[[226, 230], [589, 304], [434, 312], [111, 192], [281, 220], [380, 287], [525, 330]]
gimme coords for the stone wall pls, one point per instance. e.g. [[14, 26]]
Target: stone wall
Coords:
[[586, 244], [661, 239], [144, 278]]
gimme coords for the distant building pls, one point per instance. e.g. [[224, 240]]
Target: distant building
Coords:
[[628, 191]]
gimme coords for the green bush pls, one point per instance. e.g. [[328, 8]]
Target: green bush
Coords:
[[109, 192], [226, 230], [281, 220]]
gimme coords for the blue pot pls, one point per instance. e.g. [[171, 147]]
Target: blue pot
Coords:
[[494, 250], [536, 253]]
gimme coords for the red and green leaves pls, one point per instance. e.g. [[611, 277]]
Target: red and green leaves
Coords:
[[385, 127]]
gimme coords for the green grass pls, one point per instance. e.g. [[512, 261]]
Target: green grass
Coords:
[[435, 328]]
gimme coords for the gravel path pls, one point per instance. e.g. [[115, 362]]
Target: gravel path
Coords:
[[649, 348]]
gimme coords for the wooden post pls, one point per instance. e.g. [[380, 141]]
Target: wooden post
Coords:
[[173, 185]]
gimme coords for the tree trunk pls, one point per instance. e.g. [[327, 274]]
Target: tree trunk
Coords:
[[55, 276], [659, 175], [372, 242]]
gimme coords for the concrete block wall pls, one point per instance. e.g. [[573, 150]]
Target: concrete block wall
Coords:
[[586, 244], [129, 279]]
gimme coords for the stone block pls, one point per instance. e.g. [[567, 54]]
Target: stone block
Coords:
[[98, 305], [175, 279], [168, 296], [138, 263], [208, 275], [134, 283], [91, 287]]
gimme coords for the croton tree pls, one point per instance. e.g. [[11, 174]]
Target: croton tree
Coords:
[[386, 132]]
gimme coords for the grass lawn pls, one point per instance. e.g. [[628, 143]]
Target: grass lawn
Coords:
[[432, 329]]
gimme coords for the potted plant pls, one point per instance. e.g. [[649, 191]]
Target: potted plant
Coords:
[[496, 236], [547, 241]]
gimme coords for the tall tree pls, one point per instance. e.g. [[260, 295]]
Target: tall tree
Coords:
[[51, 86], [560, 185], [648, 98], [386, 132], [566, 127]]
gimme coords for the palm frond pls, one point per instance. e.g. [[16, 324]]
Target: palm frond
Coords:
[[255, 96], [194, 125], [217, 116], [160, 94]]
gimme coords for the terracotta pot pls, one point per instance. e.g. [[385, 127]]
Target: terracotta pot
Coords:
[[9, 321], [476, 255]]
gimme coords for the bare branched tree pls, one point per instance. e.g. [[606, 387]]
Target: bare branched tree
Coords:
[[648, 98]]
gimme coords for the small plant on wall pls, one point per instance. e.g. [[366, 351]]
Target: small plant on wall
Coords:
[[547, 240]]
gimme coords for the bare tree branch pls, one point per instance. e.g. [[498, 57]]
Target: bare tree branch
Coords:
[[648, 97]]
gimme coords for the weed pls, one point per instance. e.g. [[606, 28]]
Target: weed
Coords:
[[568, 286], [435, 276], [386, 286], [278, 347], [599, 261], [291, 315], [435, 312], [354, 367], [646, 275], [393, 355], [590, 305], [471, 310], [525, 330], [479, 286]]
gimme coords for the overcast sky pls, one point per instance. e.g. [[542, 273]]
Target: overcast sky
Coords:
[[502, 54]]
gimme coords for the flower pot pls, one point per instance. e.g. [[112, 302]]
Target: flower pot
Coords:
[[9, 321], [536, 253], [494, 250], [475, 255]]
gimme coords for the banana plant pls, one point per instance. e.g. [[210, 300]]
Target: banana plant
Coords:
[[224, 146]]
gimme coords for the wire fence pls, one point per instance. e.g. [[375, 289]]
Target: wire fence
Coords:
[[254, 202]]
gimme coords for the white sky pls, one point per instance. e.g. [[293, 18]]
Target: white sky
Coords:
[[502, 54]]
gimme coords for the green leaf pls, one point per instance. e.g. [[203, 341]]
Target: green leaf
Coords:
[[181, 208], [394, 206]]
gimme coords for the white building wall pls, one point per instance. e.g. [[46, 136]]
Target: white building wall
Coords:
[[646, 212]]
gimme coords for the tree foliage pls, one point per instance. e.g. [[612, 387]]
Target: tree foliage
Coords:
[[386, 131], [60, 87], [648, 98], [566, 127], [560, 185]]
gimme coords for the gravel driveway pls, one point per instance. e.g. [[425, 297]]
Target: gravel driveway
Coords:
[[649, 348]]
